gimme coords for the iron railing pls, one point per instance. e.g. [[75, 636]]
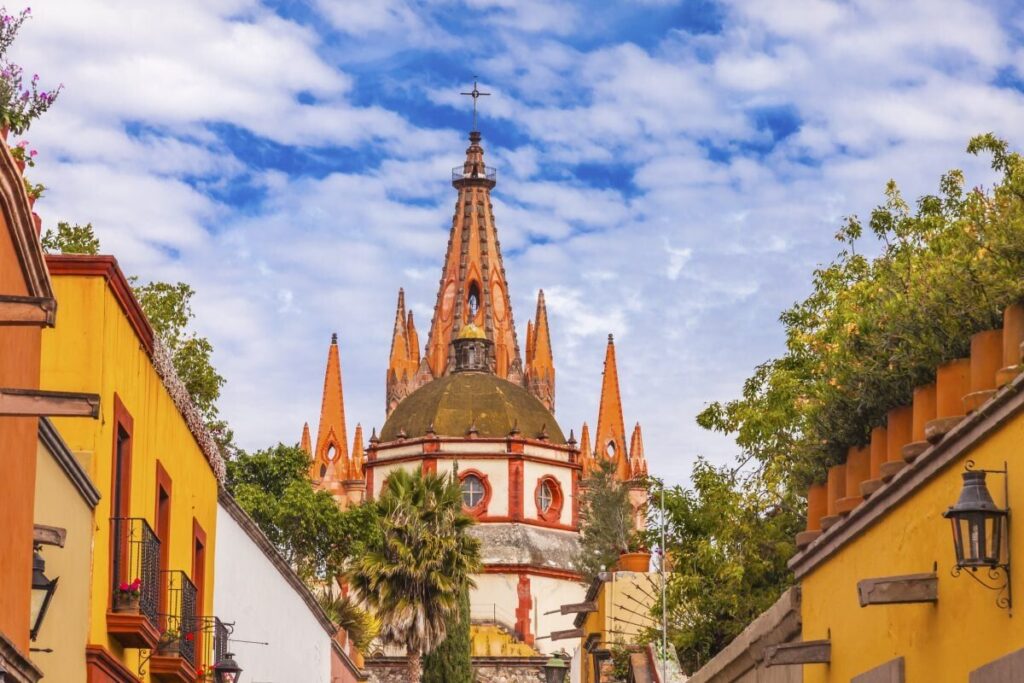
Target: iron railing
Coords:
[[137, 557], [463, 173], [491, 613], [211, 638], [179, 615]]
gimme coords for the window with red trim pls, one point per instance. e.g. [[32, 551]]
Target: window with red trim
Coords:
[[476, 492], [549, 499]]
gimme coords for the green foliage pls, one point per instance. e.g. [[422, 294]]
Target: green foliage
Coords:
[[606, 521], [728, 541], [451, 662], [71, 239], [309, 529], [169, 310], [413, 573], [360, 625], [21, 103], [874, 328]]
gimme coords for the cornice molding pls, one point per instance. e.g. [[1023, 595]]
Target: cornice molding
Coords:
[[76, 474]]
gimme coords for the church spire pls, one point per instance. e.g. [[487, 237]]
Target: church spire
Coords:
[[610, 441], [331, 438], [637, 461], [586, 452], [306, 444], [540, 362], [473, 288], [358, 455], [405, 357]]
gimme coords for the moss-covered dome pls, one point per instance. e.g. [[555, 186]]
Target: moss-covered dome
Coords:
[[454, 403]]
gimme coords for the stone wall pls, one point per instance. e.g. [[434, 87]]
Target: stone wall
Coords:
[[486, 670]]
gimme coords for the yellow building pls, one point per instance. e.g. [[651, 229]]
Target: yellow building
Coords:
[[157, 470], [615, 613], [65, 498], [884, 595]]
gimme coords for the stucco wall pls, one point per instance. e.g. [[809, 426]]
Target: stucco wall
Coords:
[[66, 627], [251, 592], [940, 642]]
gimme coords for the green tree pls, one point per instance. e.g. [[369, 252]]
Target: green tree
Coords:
[[729, 539], [413, 573], [169, 310], [71, 239], [359, 624], [309, 529], [606, 521], [451, 662]]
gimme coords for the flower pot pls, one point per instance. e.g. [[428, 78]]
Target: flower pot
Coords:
[[858, 469], [986, 359], [127, 602], [31, 201], [639, 561], [1013, 336], [899, 429], [20, 164], [170, 648]]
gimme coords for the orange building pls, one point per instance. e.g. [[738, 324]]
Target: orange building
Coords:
[[472, 398], [27, 304]]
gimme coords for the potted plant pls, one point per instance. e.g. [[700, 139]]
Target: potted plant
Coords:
[[33, 190], [128, 596], [636, 557], [23, 156], [170, 642]]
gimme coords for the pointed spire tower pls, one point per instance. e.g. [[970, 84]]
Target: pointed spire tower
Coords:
[[637, 461], [331, 438], [610, 439], [540, 362], [473, 288], [358, 455], [306, 444], [586, 452], [405, 357]]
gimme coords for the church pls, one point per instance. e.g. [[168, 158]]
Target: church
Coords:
[[469, 399]]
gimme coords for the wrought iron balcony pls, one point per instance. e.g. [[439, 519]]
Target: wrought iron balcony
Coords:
[[212, 636], [135, 583]]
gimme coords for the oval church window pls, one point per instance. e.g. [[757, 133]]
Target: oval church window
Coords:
[[472, 491]]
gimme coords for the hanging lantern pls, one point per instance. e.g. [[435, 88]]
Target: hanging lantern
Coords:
[[42, 592], [978, 525], [227, 670]]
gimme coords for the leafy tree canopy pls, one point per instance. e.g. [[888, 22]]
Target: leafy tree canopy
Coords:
[[309, 529], [606, 521], [71, 239]]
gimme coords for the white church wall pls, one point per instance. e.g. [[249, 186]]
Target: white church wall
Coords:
[[532, 474], [250, 591], [551, 594]]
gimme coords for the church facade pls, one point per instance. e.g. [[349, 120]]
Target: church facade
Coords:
[[470, 403]]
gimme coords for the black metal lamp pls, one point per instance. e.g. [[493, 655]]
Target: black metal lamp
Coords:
[[555, 669], [227, 669], [42, 592], [977, 525], [981, 533]]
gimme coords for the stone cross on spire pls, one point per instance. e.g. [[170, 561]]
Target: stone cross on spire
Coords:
[[476, 95]]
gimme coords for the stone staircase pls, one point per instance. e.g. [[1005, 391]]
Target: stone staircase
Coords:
[[495, 640]]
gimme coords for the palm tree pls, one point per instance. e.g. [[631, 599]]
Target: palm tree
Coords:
[[412, 577]]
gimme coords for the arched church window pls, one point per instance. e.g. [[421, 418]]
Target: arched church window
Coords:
[[323, 471], [331, 453], [472, 491], [610, 449], [473, 302]]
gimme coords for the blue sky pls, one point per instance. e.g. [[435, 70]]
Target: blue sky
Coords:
[[669, 171]]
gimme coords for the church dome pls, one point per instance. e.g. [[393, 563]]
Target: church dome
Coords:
[[454, 403]]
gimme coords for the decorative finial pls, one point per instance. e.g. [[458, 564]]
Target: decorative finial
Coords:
[[515, 429], [430, 428], [402, 434], [572, 438], [373, 437], [543, 434], [472, 431], [611, 339], [334, 337], [475, 94]]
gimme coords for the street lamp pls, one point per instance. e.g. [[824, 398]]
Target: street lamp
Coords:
[[227, 669], [42, 592], [556, 669], [979, 529]]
